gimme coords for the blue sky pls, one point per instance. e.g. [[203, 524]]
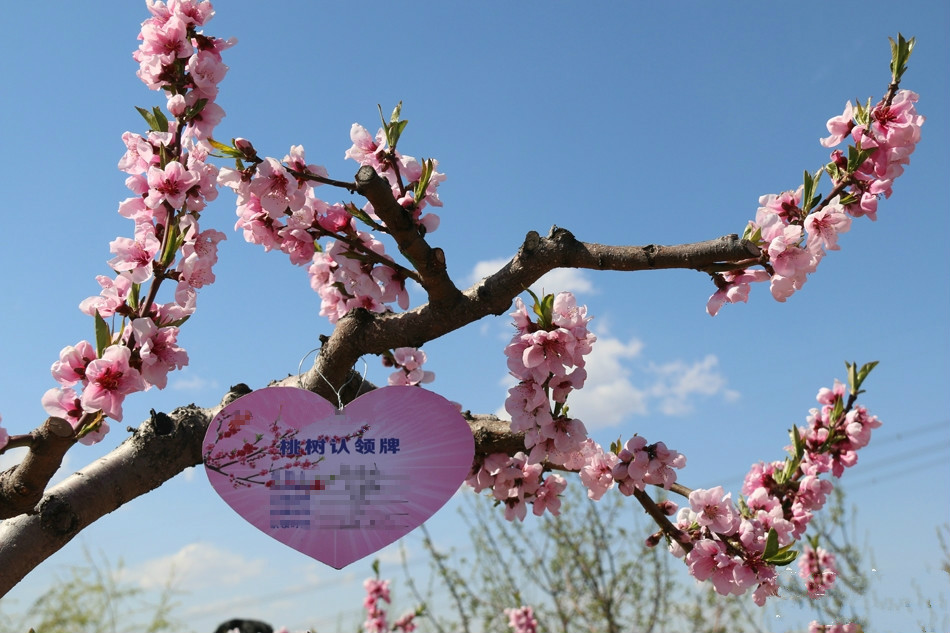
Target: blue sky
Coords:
[[627, 123]]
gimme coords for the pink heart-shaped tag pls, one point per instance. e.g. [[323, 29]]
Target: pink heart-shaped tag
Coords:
[[338, 485]]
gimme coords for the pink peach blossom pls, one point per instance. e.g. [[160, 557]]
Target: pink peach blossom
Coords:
[[110, 380], [169, 185]]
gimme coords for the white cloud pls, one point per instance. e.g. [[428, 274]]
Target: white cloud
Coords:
[[615, 392], [192, 383], [485, 268], [194, 566], [564, 280], [12, 457], [609, 395], [393, 554], [676, 383]]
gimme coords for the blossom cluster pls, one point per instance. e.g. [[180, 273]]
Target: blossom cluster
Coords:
[[737, 546], [817, 568], [889, 132], [278, 209], [631, 468], [794, 230], [516, 482], [409, 372], [522, 620], [171, 182], [547, 357], [851, 627], [377, 591]]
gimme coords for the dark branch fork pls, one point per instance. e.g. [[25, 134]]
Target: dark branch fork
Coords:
[[39, 523]]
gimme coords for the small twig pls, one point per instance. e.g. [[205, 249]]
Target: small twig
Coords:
[[305, 175]]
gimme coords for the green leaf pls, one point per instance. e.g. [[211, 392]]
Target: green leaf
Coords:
[[752, 233], [149, 118], [857, 376], [848, 198], [172, 241], [226, 150], [420, 189], [857, 156], [862, 114], [178, 322], [900, 53], [359, 214], [743, 507], [103, 334], [376, 567], [852, 376], [396, 131], [809, 199], [195, 110], [219, 146], [133, 297], [797, 443], [782, 558], [833, 171], [616, 446], [771, 544], [394, 117], [394, 127], [160, 119], [91, 425]]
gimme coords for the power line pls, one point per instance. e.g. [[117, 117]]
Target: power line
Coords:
[[909, 470], [892, 460], [899, 436], [914, 431]]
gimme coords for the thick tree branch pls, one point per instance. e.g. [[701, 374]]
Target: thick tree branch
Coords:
[[165, 446], [21, 486], [156, 452], [430, 262], [360, 332]]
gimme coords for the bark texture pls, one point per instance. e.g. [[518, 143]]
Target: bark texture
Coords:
[[39, 522]]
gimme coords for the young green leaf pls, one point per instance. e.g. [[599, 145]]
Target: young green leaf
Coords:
[[616, 446], [396, 131], [149, 118], [103, 334], [809, 199], [771, 544], [798, 443], [160, 120], [782, 558], [359, 214], [856, 157], [226, 150], [900, 53], [194, 110], [133, 297], [420, 190], [394, 117], [865, 370]]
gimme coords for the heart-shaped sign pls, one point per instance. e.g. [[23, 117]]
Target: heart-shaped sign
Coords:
[[338, 485]]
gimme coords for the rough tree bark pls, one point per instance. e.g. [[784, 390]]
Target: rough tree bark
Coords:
[[40, 523]]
